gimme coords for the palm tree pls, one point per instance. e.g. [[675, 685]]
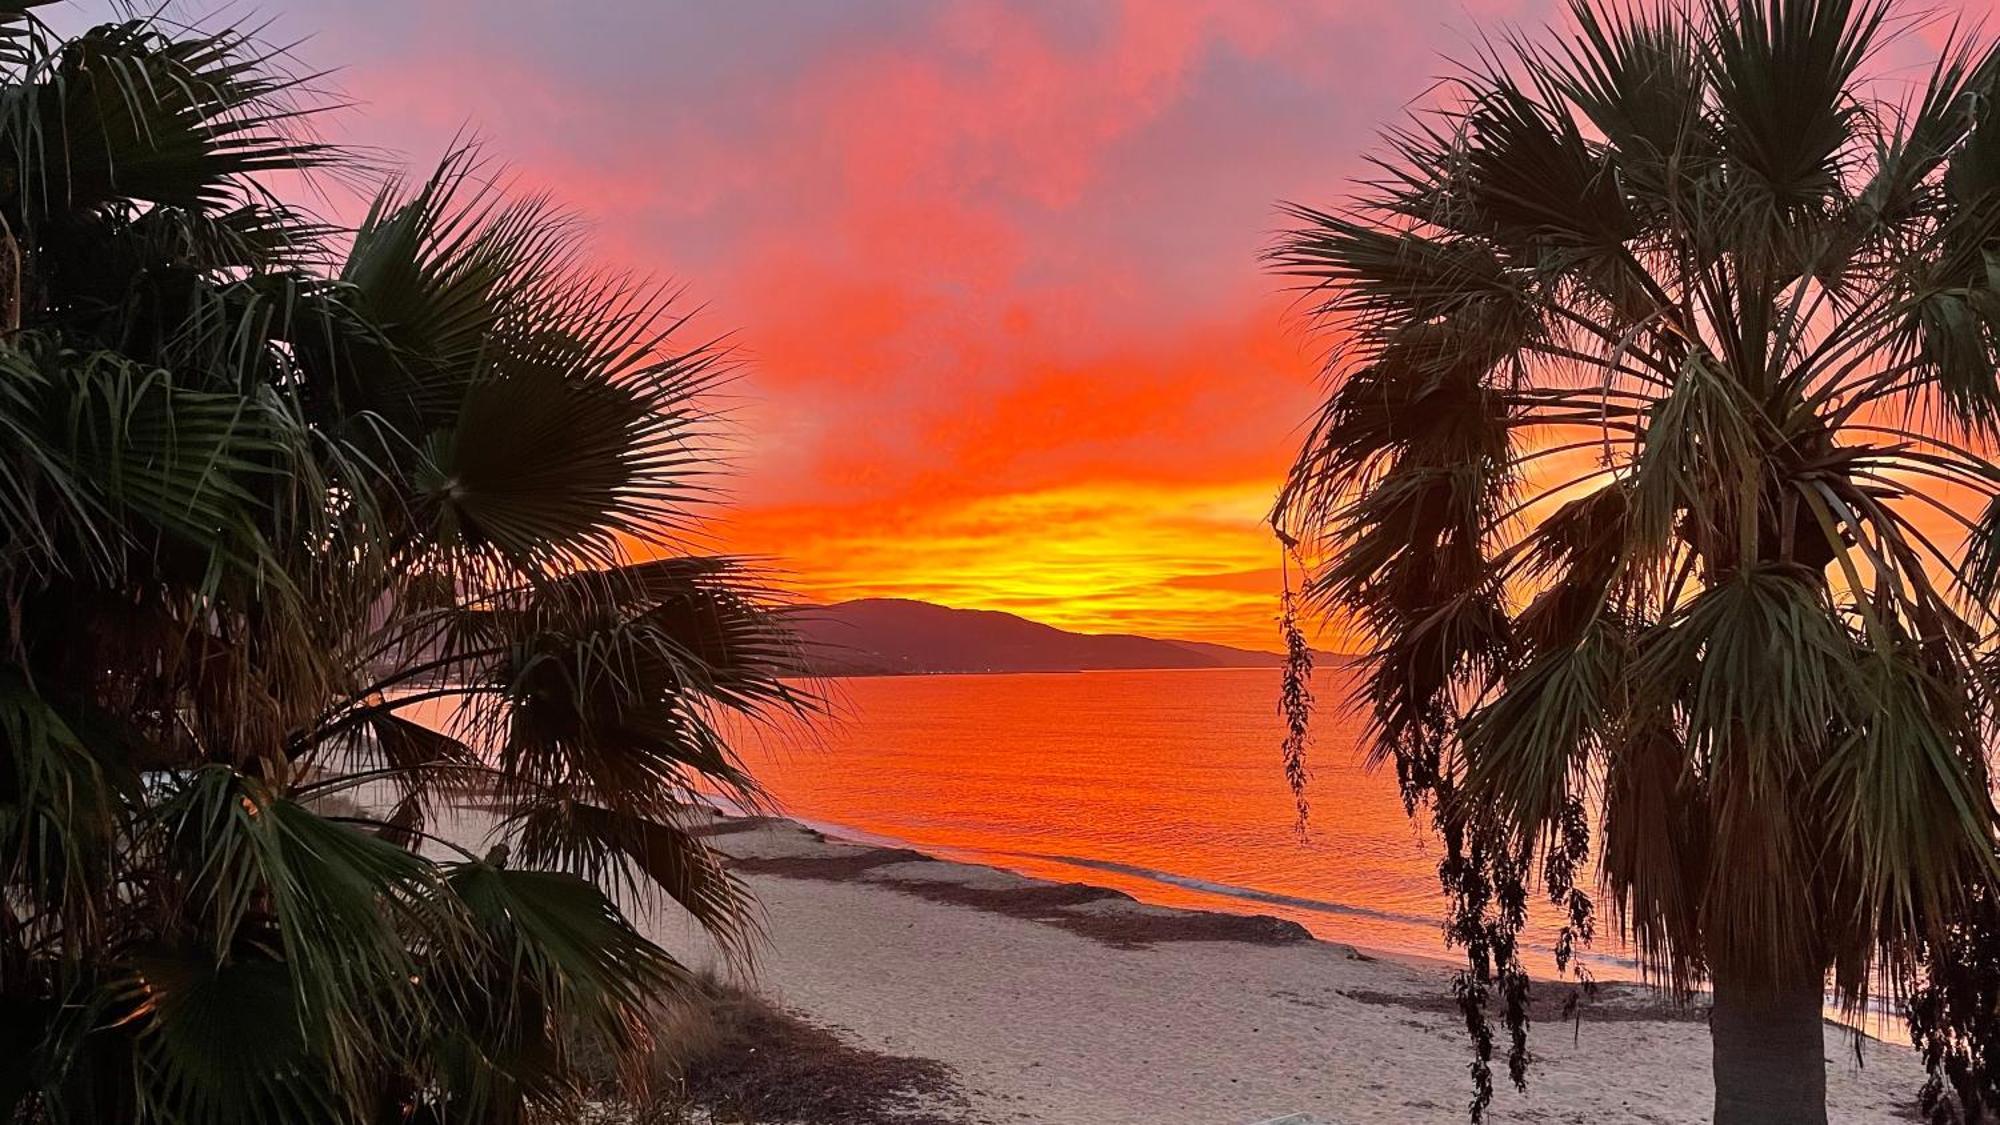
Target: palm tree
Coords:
[[1663, 381], [268, 490]]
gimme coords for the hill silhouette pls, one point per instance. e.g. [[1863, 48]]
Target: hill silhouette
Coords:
[[900, 636]]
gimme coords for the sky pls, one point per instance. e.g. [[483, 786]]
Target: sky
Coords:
[[991, 268]]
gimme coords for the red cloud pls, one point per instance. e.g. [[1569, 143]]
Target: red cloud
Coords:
[[992, 265]]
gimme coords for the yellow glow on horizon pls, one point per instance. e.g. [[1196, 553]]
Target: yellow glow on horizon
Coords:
[[1194, 562]]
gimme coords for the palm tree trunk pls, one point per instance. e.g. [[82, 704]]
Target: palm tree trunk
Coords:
[[1770, 1049]]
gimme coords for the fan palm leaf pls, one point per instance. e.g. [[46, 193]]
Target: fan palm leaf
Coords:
[[1666, 347], [268, 490]]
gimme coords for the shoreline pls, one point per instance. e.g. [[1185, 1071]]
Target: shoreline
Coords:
[[1113, 917], [1114, 921], [1059, 1002], [1128, 921]]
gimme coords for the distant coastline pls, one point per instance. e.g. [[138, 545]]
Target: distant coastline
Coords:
[[901, 637], [886, 673]]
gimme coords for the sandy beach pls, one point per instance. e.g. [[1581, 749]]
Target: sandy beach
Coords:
[[1063, 1003]]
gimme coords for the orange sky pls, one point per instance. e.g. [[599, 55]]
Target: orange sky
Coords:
[[992, 266]]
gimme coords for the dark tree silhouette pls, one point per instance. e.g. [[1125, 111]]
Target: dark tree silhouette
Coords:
[[267, 487], [1654, 467]]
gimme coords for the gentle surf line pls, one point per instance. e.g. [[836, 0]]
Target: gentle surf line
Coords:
[[1599, 959], [996, 857], [1226, 890]]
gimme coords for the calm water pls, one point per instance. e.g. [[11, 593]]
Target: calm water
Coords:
[[1166, 785]]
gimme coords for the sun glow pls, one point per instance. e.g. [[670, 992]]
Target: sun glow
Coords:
[[993, 269], [1191, 561]]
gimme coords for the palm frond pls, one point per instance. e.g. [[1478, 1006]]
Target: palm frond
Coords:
[[1661, 353], [260, 503], [126, 112]]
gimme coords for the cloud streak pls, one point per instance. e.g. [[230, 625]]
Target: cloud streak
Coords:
[[992, 265]]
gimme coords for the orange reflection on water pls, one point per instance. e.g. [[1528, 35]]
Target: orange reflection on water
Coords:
[[1163, 784]]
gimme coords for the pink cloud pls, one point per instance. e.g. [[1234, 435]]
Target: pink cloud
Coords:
[[992, 264]]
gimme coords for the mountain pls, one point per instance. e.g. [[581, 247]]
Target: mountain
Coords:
[[893, 636]]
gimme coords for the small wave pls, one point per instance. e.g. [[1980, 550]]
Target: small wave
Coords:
[[1622, 965], [1226, 890], [1600, 959]]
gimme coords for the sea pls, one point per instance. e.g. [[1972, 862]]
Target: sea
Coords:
[[1167, 785]]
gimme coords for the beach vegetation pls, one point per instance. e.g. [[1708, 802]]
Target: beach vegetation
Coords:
[[1654, 473], [321, 547]]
